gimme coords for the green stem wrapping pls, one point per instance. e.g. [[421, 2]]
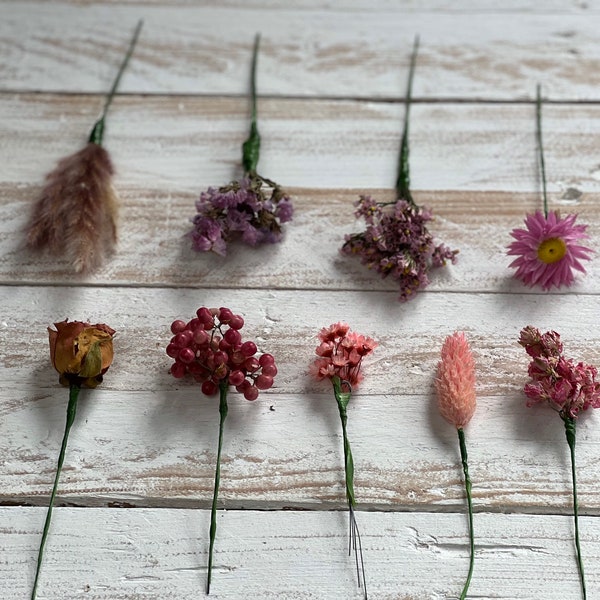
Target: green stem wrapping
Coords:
[[538, 120], [342, 399], [251, 147], [71, 411], [223, 388], [354, 542], [570, 425], [98, 130], [403, 181], [465, 465]]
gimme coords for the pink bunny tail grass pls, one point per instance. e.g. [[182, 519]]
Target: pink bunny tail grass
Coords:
[[455, 382], [74, 216]]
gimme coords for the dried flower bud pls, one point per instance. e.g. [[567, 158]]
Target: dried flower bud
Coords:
[[81, 352], [455, 382]]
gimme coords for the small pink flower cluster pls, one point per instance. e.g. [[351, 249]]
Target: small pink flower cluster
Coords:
[[340, 354], [568, 387], [211, 350]]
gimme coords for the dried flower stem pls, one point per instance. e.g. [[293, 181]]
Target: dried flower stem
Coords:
[[570, 425], [71, 411], [223, 388], [403, 181], [538, 120], [354, 542], [98, 130], [465, 465], [251, 147]]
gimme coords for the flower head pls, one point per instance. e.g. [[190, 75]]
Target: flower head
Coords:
[[566, 386], [548, 250], [252, 210], [455, 382], [81, 352], [74, 216], [340, 354], [397, 243], [211, 350]]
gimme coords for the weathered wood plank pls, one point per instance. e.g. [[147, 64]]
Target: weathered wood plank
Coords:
[[106, 554], [168, 150], [146, 438], [178, 144], [311, 50], [286, 324], [158, 450]]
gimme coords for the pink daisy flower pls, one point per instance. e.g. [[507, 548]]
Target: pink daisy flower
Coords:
[[548, 250]]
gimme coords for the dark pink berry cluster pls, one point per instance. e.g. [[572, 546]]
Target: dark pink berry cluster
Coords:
[[211, 350]]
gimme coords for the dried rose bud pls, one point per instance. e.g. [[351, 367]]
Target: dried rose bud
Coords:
[[81, 352]]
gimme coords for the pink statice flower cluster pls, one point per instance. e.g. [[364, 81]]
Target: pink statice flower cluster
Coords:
[[548, 250], [397, 243], [211, 350], [252, 210], [340, 354], [568, 387]]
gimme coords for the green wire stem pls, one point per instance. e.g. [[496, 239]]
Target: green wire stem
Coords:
[[403, 181], [570, 425], [223, 388], [538, 115], [71, 411], [98, 130], [251, 147], [354, 543], [465, 465]]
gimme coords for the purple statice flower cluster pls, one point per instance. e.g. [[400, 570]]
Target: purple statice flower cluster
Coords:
[[252, 209], [397, 243], [566, 386]]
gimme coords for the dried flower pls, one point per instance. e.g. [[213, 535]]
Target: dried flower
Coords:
[[340, 355], [252, 209], [75, 214], [455, 385], [548, 249], [396, 241], [397, 244], [81, 353], [568, 388], [211, 350]]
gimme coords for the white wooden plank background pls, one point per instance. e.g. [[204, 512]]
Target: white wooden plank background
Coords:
[[137, 483]]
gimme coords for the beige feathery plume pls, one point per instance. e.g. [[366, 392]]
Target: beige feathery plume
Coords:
[[75, 214]]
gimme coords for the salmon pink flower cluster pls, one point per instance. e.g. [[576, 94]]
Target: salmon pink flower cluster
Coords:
[[340, 354], [210, 349], [568, 387]]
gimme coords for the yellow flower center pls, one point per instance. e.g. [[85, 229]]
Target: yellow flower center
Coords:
[[551, 250]]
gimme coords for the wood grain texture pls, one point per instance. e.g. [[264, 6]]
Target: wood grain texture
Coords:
[[147, 439], [158, 450], [356, 50], [180, 144], [473, 164], [116, 554], [132, 516]]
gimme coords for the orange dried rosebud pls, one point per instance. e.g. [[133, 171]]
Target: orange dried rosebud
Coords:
[[455, 382], [81, 352]]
